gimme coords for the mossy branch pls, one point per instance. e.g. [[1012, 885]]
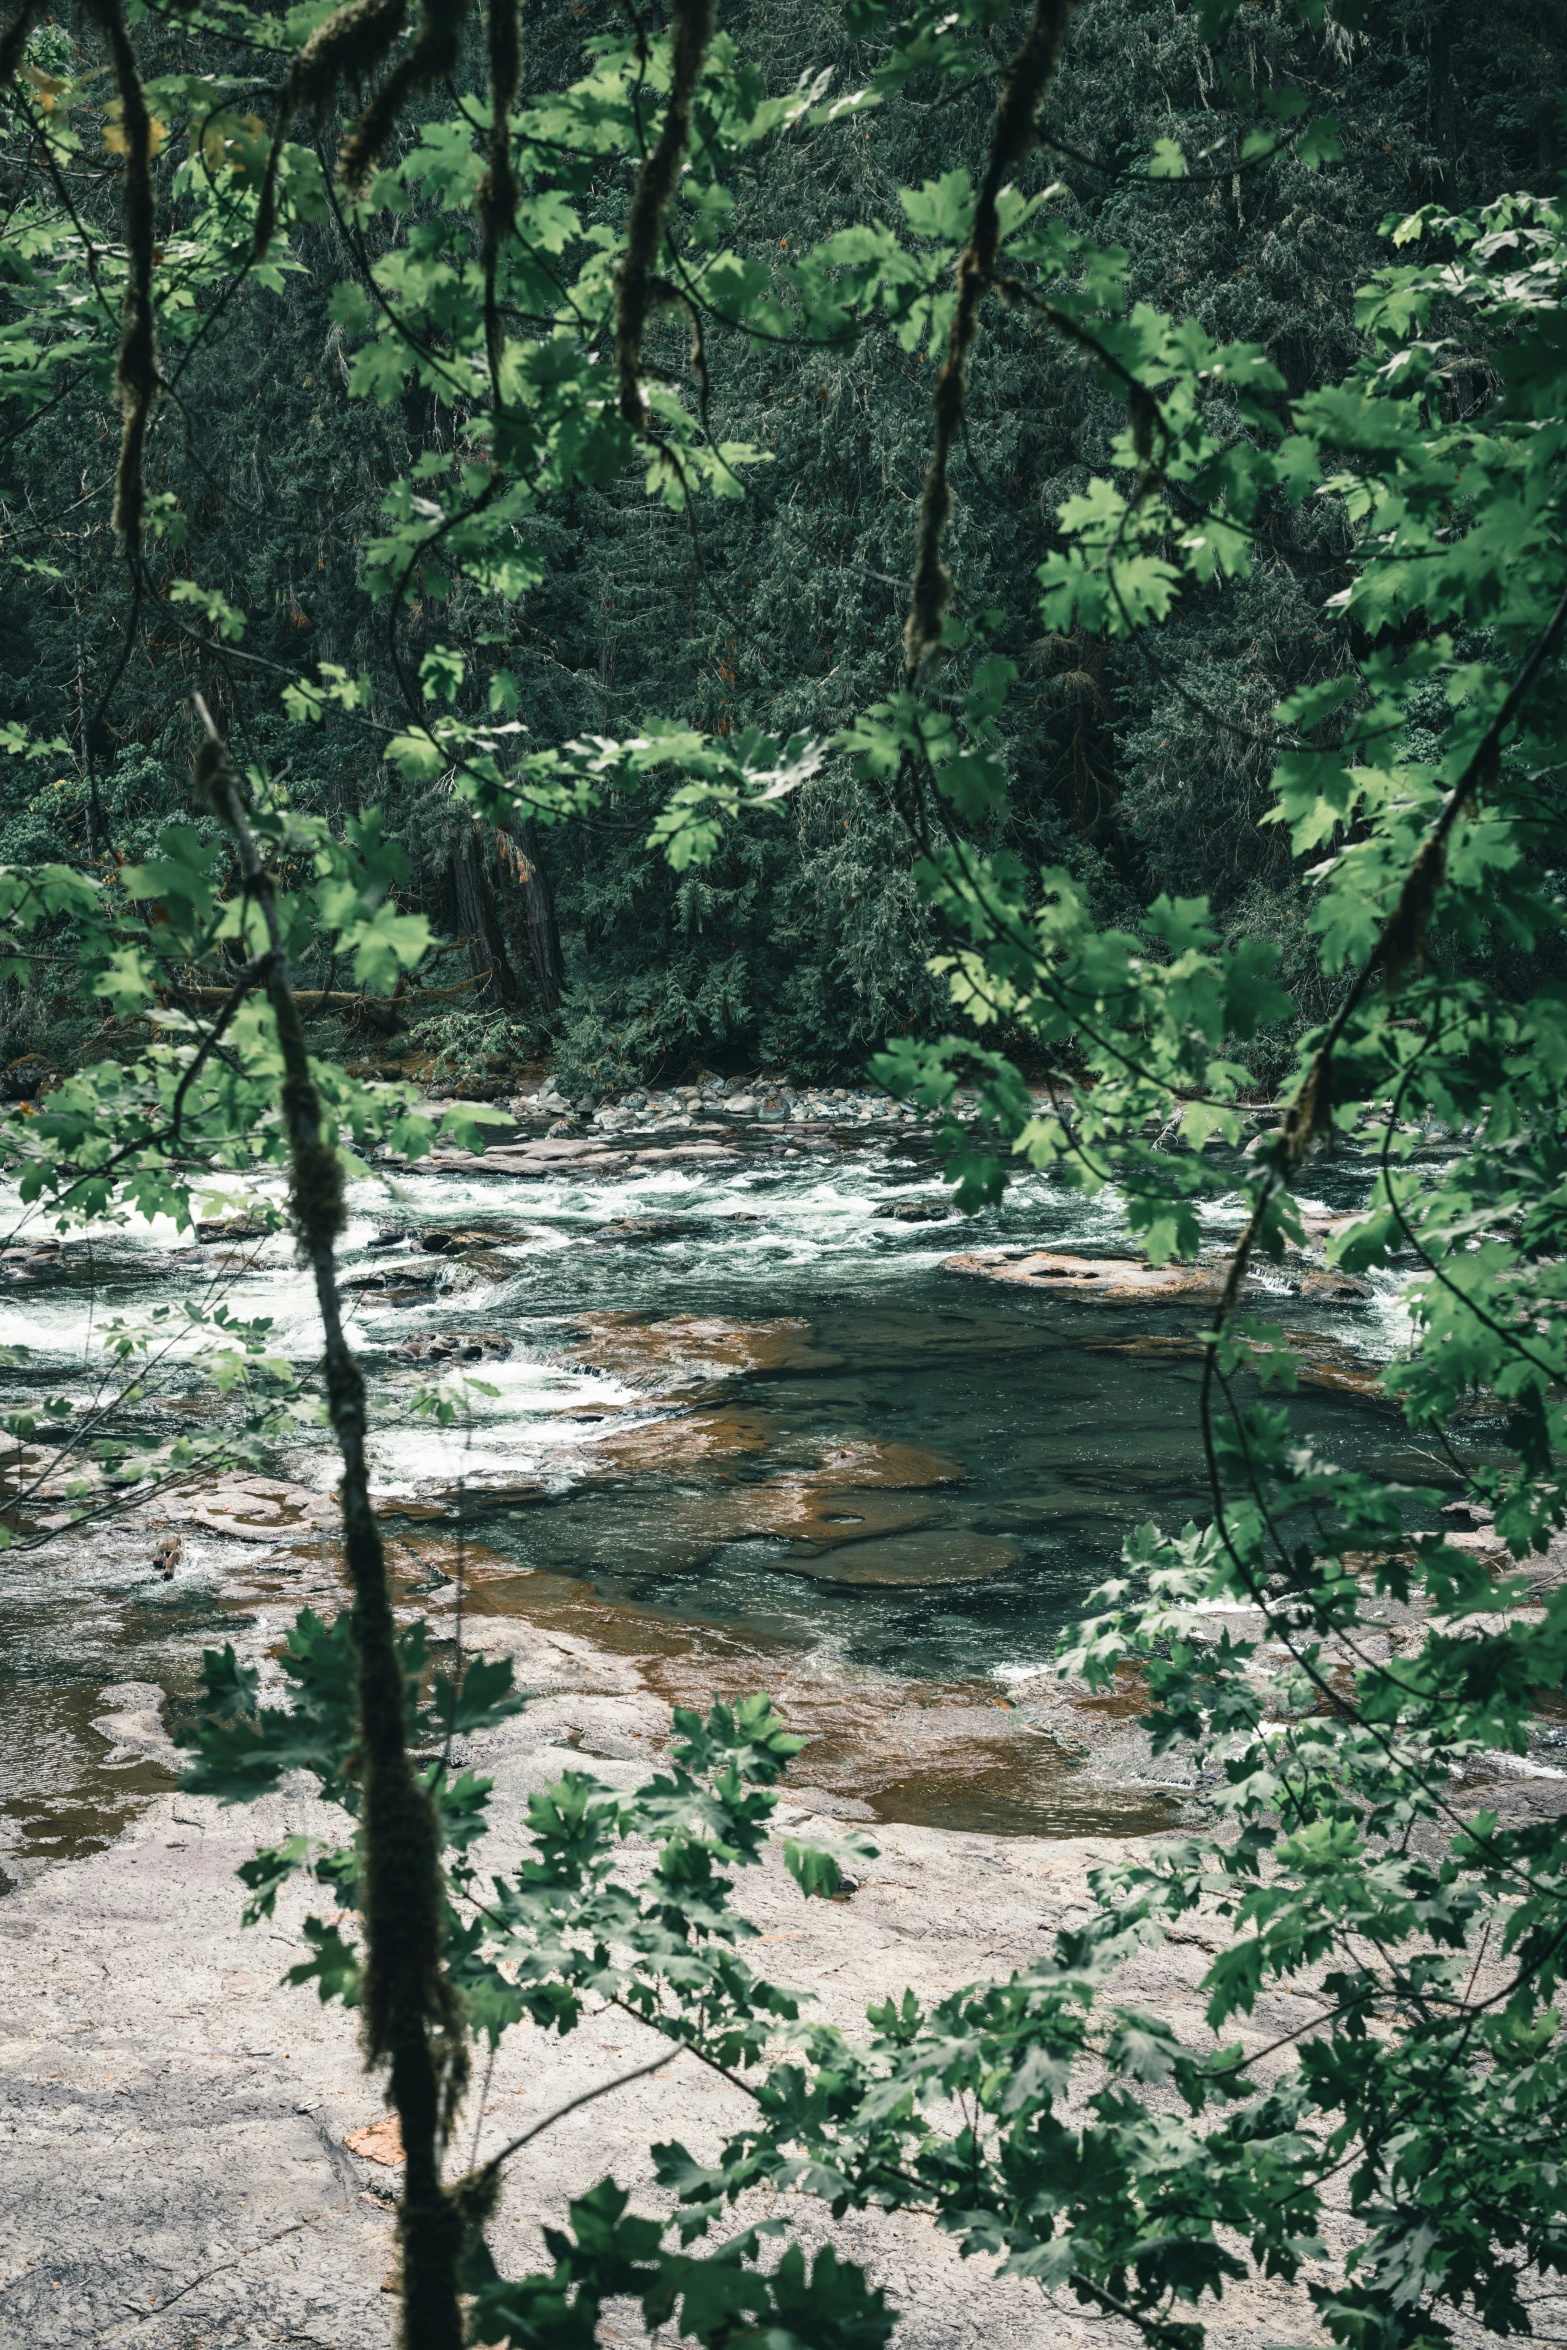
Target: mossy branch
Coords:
[[639, 287], [136, 376], [435, 54], [411, 2019], [498, 189], [1023, 93], [349, 46]]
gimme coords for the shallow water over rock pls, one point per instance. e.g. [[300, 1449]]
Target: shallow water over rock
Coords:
[[745, 1400]]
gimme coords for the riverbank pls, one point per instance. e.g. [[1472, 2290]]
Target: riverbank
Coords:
[[177, 2125], [192, 2150]]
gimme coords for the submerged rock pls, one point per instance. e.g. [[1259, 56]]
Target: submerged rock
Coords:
[[828, 1516], [934, 1555], [679, 1443], [133, 1721], [1319, 1362], [909, 1465], [689, 1347], [1130, 1281], [628, 1231]]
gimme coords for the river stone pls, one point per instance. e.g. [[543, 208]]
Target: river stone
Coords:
[[482, 1264], [678, 1443], [908, 1465], [391, 1281], [537, 1158], [461, 1346], [1129, 1281], [213, 1228], [937, 1555], [687, 1347], [711, 1152], [440, 1240], [251, 1508]]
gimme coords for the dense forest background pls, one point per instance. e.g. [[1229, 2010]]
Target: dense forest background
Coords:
[[1142, 766]]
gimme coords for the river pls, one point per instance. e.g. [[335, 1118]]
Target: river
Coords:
[[745, 1411]]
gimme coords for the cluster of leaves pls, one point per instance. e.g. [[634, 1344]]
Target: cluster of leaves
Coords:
[[553, 1942]]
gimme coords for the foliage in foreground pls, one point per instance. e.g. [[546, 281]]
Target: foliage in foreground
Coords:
[[1424, 781], [1073, 2139]]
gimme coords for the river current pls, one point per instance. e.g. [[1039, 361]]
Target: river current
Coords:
[[688, 1343]]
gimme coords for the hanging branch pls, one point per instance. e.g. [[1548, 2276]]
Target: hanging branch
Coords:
[[1400, 944], [639, 290], [411, 2020], [435, 54], [136, 377], [498, 188], [349, 46], [1022, 95]]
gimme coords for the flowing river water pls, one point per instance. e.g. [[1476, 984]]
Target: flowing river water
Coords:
[[748, 1423]]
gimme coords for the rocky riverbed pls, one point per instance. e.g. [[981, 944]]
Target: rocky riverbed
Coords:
[[194, 2155], [191, 2151], [758, 1410], [739, 1395]]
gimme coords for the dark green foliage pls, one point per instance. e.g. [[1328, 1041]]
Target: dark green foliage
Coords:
[[1366, 564], [1142, 769]]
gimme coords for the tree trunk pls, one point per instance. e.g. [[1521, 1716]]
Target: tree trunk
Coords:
[[476, 912], [518, 847], [412, 2023]]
